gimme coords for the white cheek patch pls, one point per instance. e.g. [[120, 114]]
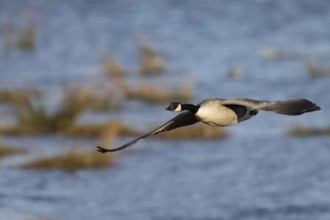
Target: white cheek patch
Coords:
[[178, 109]]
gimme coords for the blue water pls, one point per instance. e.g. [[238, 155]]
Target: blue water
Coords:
[[257, 173]]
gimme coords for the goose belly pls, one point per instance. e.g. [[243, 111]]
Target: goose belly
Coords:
[[219, 116]]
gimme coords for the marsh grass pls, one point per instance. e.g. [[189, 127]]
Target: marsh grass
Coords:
[[18, 97], [72, 161], [95, 97], [272, 52], [34, 119], [195, 132], [151, 62], [24, 38], [113, 68], [27, 37], [153, 94], [316, 70], [301, 131], [95, 130], [47, 125], [8, 150]]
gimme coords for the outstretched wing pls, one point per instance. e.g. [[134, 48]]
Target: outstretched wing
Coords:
[[288, 107], [183, 119]]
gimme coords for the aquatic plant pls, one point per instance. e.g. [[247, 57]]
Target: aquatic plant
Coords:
[[316, 70], [273, 52], [302, 131], [33, 117], [71, 161], [151, 62], [153, 94], [96, 97], [27, 37], [18, 97], [36, 119], [95, 130], [8, 150], [112, 67], [235, 73], [24, 38]]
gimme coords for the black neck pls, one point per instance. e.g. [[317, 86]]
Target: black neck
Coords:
[[190, 107]]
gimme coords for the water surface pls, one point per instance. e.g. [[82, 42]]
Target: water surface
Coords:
[[257, 173]]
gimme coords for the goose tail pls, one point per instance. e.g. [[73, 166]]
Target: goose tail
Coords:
[[292, 107]]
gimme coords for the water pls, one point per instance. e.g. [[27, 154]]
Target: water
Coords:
[[257, 173]]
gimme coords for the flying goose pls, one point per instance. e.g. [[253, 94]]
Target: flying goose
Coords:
[[221, 113]]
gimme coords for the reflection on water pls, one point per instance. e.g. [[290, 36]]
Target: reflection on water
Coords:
[[257, 173]]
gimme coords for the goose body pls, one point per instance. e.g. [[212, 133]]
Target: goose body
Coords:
[[213, 113], [222, 112]]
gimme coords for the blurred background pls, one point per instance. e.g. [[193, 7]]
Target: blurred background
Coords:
[[77, 74]]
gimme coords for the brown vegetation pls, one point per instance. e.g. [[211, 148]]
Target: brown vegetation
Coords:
[[64, 126], [112, 66], [301, 131], [72, 161], [27, 37], [33, 116], [95, 130], [141, 90], [316, 70], [152, 94], [24, 38], [151, 62], [94, 97], [33, 119], [7, 150], [18, 97]]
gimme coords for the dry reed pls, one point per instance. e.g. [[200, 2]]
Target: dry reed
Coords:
[[72, 161], [18, 97], [301, 131], [113, 68], [153, 94], [24, 38], [95, 130], [8, 150], [316, 70], [151, 62]]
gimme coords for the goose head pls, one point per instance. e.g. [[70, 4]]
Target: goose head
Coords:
[[175, 107], [179, 107]]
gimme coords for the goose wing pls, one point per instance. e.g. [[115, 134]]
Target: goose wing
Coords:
[[183, 119], [288, 107]]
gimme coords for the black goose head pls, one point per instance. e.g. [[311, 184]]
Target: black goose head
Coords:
[[175, 107], [178, 107]]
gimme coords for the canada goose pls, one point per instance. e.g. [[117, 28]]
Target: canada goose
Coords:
[[222, 112]]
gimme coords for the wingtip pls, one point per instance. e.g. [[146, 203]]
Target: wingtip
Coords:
[[314, 107], [317, 107], [102, 150], [311, 106]]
